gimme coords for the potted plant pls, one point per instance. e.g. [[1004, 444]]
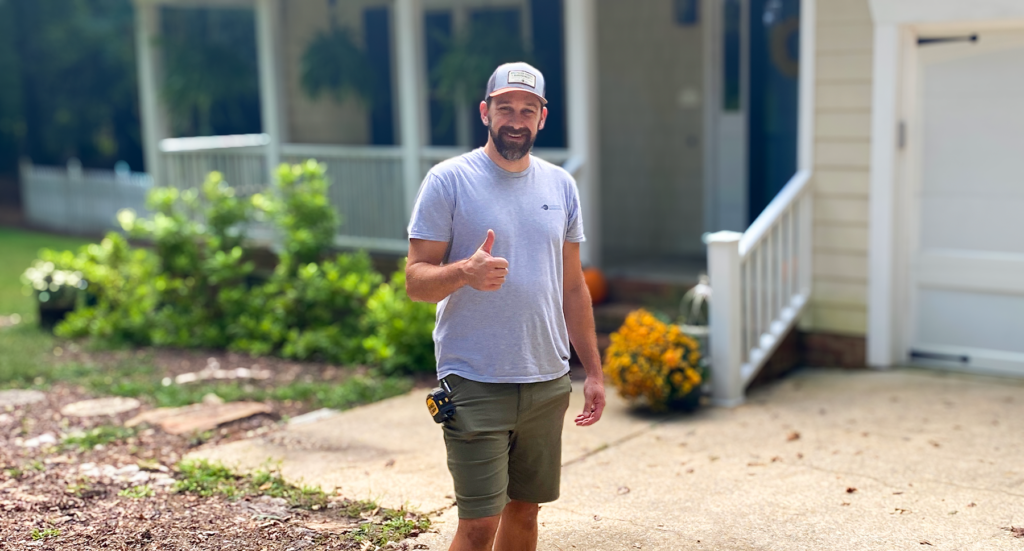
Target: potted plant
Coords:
[[655, 362], [56, 291]]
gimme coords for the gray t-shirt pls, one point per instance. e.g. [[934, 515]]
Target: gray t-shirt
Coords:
[[516, 334]]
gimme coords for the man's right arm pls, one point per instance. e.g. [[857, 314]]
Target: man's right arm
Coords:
[[426, 280]]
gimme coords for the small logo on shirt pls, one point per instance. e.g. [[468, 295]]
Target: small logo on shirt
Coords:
[[551, 207]]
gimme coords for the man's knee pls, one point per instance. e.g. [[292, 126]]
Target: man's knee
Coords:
[[478, 532], [521, 511]]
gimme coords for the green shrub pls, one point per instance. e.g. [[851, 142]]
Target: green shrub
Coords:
[[193, 288], [400, 330], [315, 312], [302, 212]]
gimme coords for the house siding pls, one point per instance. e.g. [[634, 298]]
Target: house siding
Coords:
[[841, 167]]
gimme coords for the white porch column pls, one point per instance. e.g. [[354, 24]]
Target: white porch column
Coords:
[[881, 345], [268, 41], [154, 119], [408, 23], [581, 106], [725, 317]]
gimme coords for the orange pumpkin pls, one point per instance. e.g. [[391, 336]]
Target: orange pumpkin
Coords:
[[596, 284]]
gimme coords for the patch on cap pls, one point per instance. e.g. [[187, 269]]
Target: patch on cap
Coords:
[[522, 77]]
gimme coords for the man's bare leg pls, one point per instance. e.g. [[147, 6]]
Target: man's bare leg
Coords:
[[475, 534], [518, 528]]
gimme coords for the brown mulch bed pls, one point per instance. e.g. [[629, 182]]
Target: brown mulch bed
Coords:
[[47, 502]]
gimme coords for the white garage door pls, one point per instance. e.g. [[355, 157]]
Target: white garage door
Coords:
[[967, 268]]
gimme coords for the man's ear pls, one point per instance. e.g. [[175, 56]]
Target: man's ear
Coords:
[[484, 114], [543, 118]]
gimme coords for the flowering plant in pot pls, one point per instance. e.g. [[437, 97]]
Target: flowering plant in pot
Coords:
[[655, 362], [56, 290]]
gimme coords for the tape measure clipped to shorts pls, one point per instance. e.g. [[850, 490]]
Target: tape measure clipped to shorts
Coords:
[[439, 403]]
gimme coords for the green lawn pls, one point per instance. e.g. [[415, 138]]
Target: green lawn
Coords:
[[23, 347]]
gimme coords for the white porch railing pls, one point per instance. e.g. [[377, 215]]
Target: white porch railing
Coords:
[[78, 200], [761, 280], [366, 189], [241, 159]]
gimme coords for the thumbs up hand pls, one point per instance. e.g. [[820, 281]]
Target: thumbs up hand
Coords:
[[483, 271]]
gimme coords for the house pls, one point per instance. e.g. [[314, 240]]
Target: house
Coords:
[[869, 151]]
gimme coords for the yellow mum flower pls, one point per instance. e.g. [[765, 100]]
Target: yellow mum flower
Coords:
[[651, 360]]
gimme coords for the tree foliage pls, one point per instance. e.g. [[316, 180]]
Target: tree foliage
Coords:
[[67, 71], [211, 80]]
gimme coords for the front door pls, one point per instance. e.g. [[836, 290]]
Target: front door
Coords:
[[752, 84], [967, 224], [728, 92]]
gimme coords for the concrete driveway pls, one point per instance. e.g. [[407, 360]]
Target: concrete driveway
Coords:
[[825, 459]]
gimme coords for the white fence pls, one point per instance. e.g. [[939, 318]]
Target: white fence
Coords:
[[366, 188], [80, 201], [761, 281]]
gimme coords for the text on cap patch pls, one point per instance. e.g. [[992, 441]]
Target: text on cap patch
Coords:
[[522, 77]]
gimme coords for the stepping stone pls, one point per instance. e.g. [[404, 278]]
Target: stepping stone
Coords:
[[47, 439], [100, 407], [198, 417], [20, 397]]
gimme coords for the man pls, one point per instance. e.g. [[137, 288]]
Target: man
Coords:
[[507, 310]]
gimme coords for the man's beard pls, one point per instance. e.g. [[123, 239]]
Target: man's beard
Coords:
[[512, 151]]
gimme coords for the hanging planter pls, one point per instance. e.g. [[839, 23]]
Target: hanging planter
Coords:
[[334, 64], [460, 75]]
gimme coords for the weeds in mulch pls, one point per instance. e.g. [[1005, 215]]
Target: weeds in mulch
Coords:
[[378, 526], [101, 435], [45, 533], [356, 509], [271, 484], [205, 478], [397, 526], [137, 492]]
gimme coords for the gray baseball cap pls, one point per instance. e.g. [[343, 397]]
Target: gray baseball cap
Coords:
[[516, 76]]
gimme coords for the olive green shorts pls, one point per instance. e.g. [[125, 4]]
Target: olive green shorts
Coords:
[[505, 442]]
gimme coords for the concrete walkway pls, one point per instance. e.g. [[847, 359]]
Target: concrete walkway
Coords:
[[908, 459]]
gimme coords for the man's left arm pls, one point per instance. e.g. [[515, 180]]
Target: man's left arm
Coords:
[[579, 320]]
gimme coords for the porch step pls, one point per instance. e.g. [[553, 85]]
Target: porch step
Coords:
[[609, 317], [629, 293], [651, 293]]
